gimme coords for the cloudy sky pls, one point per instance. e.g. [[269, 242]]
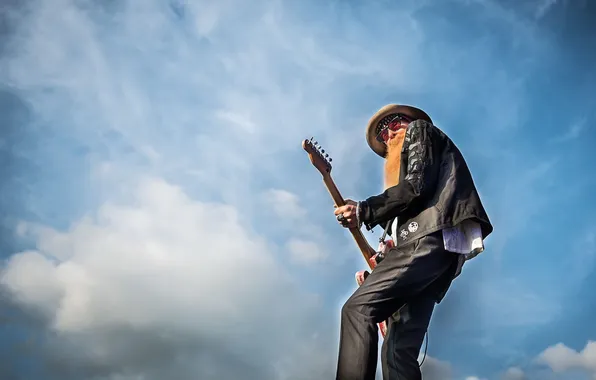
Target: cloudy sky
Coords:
[[159, 219]]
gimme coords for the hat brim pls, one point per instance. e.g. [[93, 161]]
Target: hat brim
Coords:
[[372, 129]]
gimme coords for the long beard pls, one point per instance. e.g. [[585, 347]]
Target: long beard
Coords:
[[393, 159]]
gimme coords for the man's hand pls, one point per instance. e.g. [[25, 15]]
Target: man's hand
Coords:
[[346, 214]]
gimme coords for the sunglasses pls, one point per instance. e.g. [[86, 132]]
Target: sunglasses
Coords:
[[393, 125]]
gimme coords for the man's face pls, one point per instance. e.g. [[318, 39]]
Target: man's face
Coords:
[[394, 129], [393, 133]]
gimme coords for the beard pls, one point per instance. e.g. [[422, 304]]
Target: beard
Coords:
[[393, 159]]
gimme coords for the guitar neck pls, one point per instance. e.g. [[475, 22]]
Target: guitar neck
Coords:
[[361, 241]]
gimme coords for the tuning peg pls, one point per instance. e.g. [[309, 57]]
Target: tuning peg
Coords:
[[331, 159], [322, 150]]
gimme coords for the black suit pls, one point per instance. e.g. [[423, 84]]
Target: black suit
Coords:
[[435, 191]]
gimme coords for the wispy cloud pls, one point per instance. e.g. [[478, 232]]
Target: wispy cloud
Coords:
[[543, 7], [573, 131]]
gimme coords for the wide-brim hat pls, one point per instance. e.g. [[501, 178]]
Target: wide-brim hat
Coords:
[[382, 117]]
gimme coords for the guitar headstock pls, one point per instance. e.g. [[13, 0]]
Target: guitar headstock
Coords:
[[317, 155]]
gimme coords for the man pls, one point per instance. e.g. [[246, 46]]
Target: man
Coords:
[[433, 213]]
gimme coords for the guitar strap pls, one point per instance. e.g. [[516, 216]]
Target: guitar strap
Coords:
[[382, 238], [383, 247]]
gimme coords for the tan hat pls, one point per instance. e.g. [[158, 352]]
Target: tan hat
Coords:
[[382, 117]]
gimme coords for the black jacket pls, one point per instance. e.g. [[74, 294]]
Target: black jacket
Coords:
[[435, 188]]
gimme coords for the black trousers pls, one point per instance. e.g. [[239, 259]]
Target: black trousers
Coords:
[[416, 276]]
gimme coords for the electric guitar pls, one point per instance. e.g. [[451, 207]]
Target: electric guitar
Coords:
[[322, 162]]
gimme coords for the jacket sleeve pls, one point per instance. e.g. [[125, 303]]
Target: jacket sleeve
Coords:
[[420, 178]]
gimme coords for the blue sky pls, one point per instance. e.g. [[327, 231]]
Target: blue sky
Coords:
[[160, 219]]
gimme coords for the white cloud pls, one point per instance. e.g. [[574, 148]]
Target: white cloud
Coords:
[[561, 358], [432, 368], [305, 238], [435, 369], [514, 373], [284, 203], [306, 252], [183, 272]]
